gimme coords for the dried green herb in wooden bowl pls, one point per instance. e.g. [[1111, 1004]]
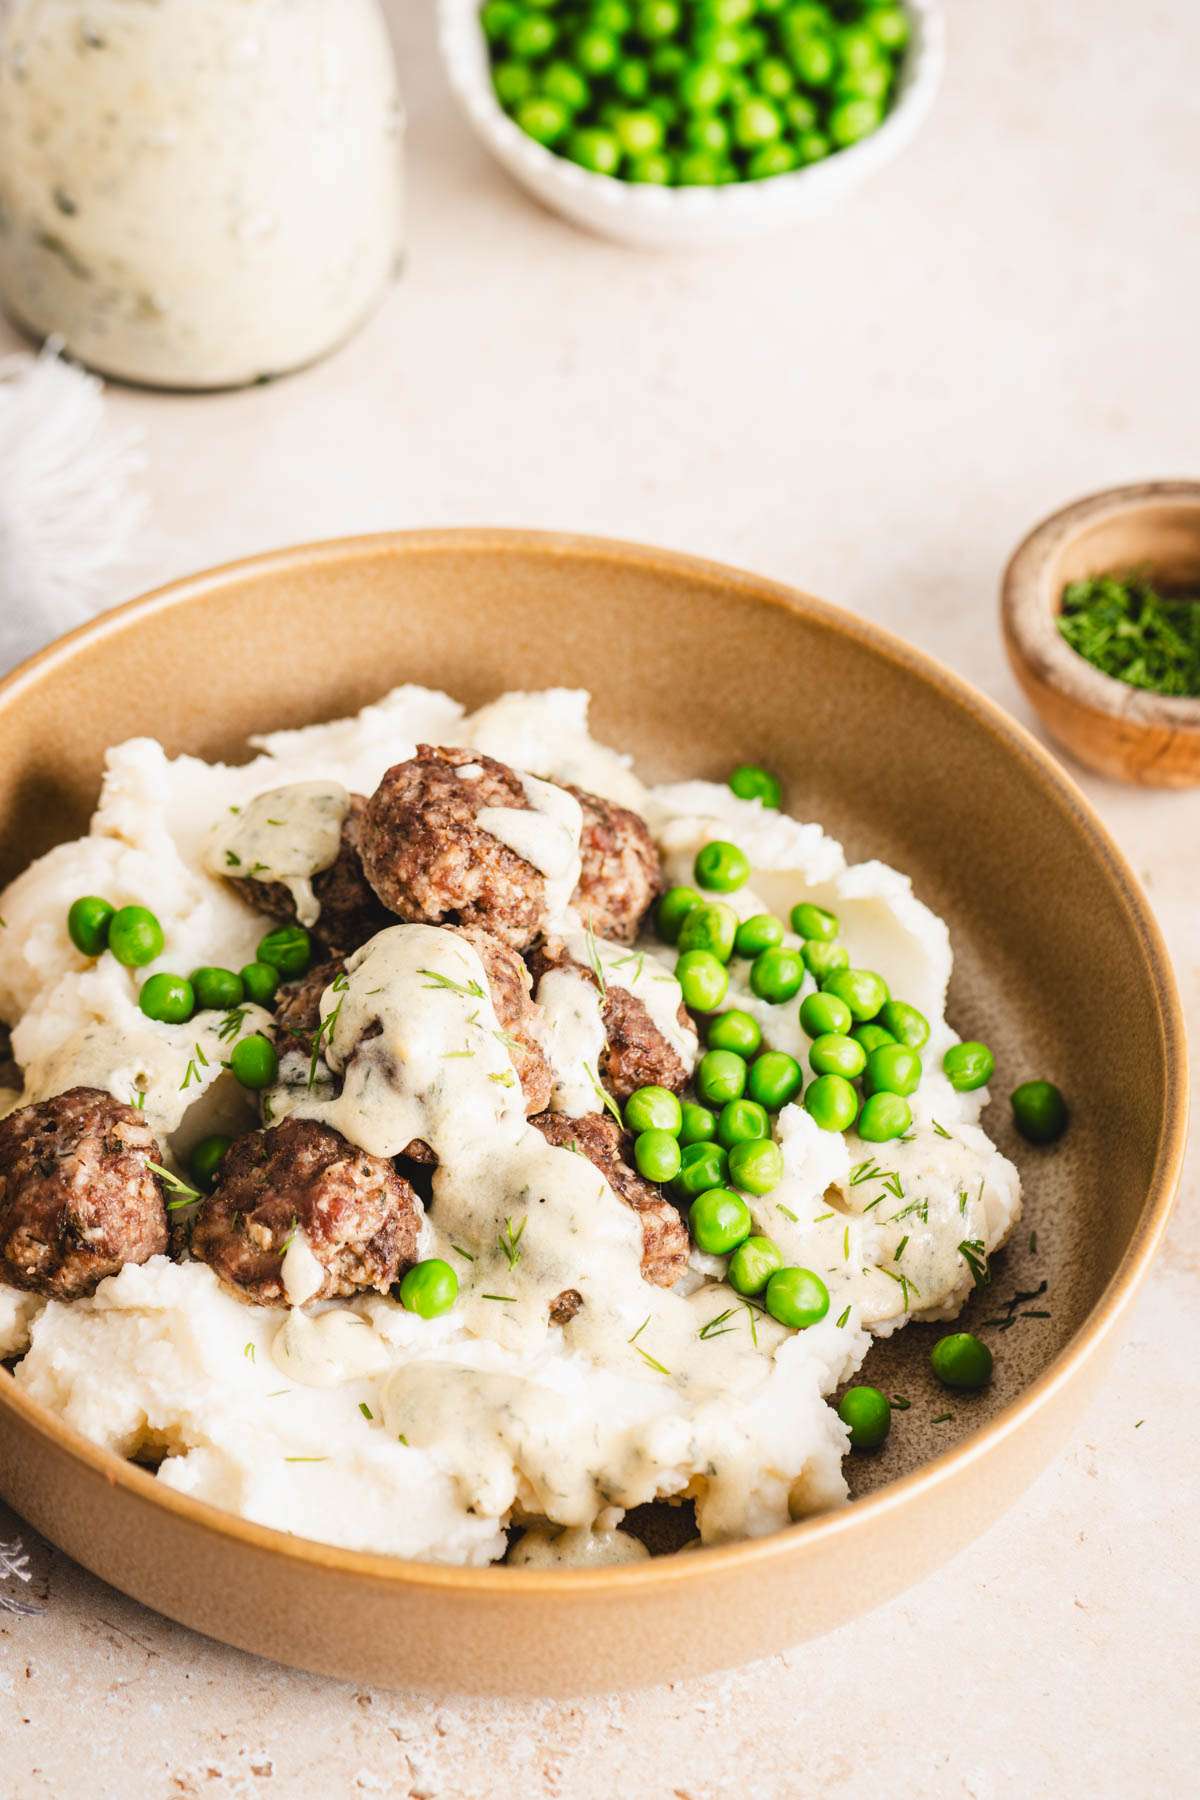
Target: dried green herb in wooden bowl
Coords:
[[1127, 629]]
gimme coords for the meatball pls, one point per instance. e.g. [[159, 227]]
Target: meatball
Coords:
[[77, 1198], [636, 1054], [298, 1008], [430, 862], [510, 983], [664, 1234], [360, 1218], [350, 909], [621, 874]]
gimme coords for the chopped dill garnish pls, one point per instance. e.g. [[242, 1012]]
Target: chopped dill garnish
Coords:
[[607, 1103], [507, 1039], [290, 1239], [905, 1285], [232, 861], [842, 1317], [872, 1204], [711, 1329], [249, 1352], [1010, 1309], [788, 1213], [1126, 629], [820, 1218], [505, 1078], [299, 1459], [235, 809], [1033, 1243], [917, 1208], [187, 1195], [898, 1252], [510, 1241], [942, 1419], [593, 956], [645, 1354], [400, 1437], [456, 1055], [365, 1410], [750, 1311], [900, 1403], [190, 1074], [138, 1099], [974, 1253], [846, 1245], [941, 1130], [274, 821], [963, 1202], [231, 1024], [325, 1031], [472, 990], [257, 868], [509, 1299], [864, 1171], [893, 1184], [634, 956], [465, 1254]]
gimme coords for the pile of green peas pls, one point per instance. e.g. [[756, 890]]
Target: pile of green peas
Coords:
[[695, 93]]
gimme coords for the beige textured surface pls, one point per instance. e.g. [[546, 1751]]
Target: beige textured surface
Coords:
[[876, 409]]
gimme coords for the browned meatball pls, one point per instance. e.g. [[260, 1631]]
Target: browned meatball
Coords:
[[510, 984], [430, 862], [664, 1234], [77, 1200], [298, 1007], [636, 1054], [350, 909], [621, 873], [360, 1218]]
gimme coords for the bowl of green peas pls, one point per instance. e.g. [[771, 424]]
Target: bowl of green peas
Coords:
[[674, 123]]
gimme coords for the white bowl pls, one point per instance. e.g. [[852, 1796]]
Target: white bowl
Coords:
[[669, 218]]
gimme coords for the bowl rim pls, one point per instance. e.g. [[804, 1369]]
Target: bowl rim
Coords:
[[460, 38], [1099, 1323], [1029, 610]]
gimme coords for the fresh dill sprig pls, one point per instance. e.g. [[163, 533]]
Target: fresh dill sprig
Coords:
[[941, 1130], [893, 1184], [471, 991], [974, 1253], [503, 1078], [942, 1419], [231, 1024], [645, 1354], [905, 1285], [465, 1254], [509, 1299], [1126, 629], [711, 1329], [864, 1171], [593, 956], [365, 1410], [249, 1352], [510, 1241], [900, 1403], [898, 1252], [186, 1194], [305, 1459], [788, 1213], [842, 1317], [607, 1103]]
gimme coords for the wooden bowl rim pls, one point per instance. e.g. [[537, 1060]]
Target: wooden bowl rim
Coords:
[[1029, 611], [908, 1490]]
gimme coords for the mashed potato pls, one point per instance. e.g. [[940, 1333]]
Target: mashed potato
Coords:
[[362, 1424]]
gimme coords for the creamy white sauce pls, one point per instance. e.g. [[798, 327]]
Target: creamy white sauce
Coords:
[[570, 1029], [648, 977], [329, 1350], [288, 835], [197, 195], [542, 1547], [546, 834], [302, 1273]]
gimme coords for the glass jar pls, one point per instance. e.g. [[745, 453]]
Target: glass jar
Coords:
[[197, 193]]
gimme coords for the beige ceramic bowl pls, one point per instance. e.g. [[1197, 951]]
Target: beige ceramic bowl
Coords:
[[1151, 527], [899, 759]]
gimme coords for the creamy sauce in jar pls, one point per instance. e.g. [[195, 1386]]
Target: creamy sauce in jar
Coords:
[[288, 835], [197, 195]]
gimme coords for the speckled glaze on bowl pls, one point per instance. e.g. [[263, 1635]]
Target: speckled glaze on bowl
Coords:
[[996, 838]]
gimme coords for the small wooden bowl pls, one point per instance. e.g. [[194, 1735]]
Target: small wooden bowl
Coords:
[[1153, 526]]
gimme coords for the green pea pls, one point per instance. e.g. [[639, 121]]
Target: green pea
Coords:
[[652, 171], [703, 86], [809, 17], [772, 159], [720, 1076], [657, 1155], [698, 1124], [288, 949], [657, 19], [960, 1360], [612, 15], [833, 1102], [253, 1061], [774, 78], [735, 1030], [710, 926], [703, 1166], [135, 936], [664, 108], [857, 46], [700, 168], [884, 1117], [777, 975], [889, 26], [513, 82], [594, 149], [719, 44], [532, 35], [835, 1054], [863, 991], [813, 146], [822, 1013], [654, 1109], [168, 998], [429, 1289], [217, 989], [815, 923], [773, 1079], [756, 122], [1039, 1111], [867, 1415], [596, 52], [631, 78], [906, 1024], [741, 1122], [749, 782], [672, 910], [813, 58], [871, 1035], [703, 979], [668, 61], [639, 134], [892, 1069], [821, 959], [800, 113], [756, 1165], [797, 1297], [565, 84], [853, 120], [721, 867], [968, 1066], [762, 931], [260, 981], [497, 18], [205, 1160], [754, 44], [88, 923], [719, 1221], [752, 1265], [870, 83], [729, 12]]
